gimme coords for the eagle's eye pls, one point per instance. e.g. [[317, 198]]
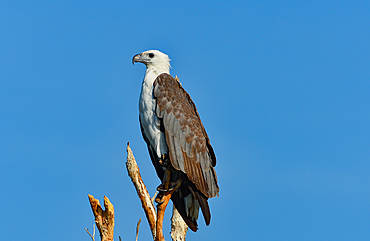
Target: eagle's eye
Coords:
[[151, 55]]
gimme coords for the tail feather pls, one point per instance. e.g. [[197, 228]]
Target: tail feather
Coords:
[[203, 203], [180, 206], [178, 199]]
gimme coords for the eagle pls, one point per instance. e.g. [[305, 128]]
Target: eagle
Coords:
[[177, 141]]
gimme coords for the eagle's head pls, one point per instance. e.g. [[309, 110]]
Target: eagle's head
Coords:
[[153, 58]]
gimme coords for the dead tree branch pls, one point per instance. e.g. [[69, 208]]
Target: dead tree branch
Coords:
[[92, 236], [178, 226], [146, 202], [155, 219], [137, 229], [104, 219]]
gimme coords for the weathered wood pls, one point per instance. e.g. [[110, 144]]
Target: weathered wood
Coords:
[[137, 229], [104, 219], [178, 226], [146, 202], [93, 235], [155, 218], [161, 208]]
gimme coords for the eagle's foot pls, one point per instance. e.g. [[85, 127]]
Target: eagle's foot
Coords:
[[163, 192], [164, 160], [166, 188]]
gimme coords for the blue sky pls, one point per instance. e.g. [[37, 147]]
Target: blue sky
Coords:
[[282, 88]]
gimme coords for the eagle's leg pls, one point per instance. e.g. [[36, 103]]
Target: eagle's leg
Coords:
[[164, 160], [166, 184]]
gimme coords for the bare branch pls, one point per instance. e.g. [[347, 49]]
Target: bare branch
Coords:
[[92, 236], [155, 219], [137, 229], [153, 198], [104, 219], [161, 208], [94, 232], [146, 202], [178, 226]]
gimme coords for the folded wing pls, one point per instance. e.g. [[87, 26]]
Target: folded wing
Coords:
[[190, 150]]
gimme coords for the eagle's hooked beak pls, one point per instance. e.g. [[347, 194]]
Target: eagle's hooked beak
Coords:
[[136, 58]]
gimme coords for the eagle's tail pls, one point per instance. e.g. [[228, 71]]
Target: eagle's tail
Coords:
[[187, 201], [204, 206]]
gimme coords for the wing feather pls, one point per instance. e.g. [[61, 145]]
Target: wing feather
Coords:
[[189, 146]]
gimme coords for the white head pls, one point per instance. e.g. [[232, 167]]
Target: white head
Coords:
[[153, 59]]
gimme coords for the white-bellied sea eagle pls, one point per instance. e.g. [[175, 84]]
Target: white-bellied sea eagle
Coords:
[[178, 144]]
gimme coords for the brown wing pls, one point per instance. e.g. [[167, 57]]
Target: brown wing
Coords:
[[189, 147]]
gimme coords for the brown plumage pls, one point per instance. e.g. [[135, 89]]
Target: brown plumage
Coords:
[[189, 146], [190, 150]]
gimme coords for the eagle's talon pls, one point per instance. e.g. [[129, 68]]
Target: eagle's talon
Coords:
[[160, 198], [171, 186], [162, 187]]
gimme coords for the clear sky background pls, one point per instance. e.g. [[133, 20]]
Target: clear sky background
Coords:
[[282, 88]]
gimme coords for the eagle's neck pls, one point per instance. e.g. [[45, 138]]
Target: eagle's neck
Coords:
[[152, 72], [157, 70]]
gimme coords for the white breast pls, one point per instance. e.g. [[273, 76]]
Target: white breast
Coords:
[[149, 120]]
